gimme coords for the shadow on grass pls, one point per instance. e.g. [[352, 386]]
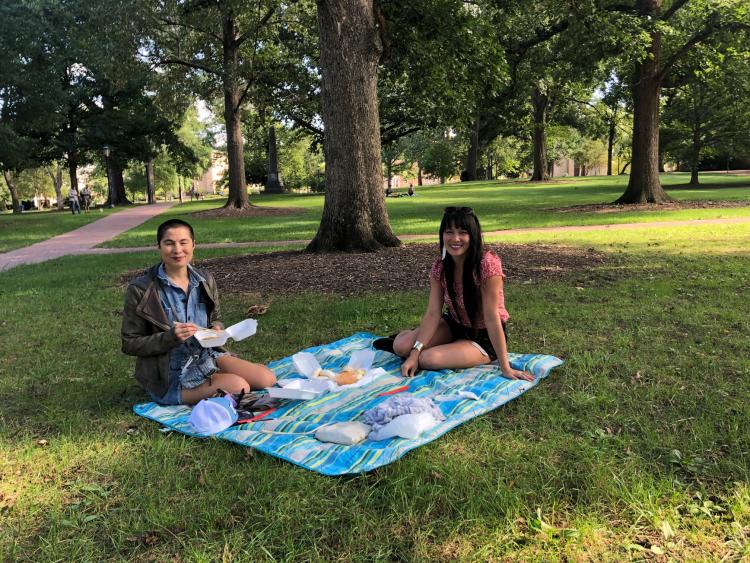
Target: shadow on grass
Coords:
[[707, 186]]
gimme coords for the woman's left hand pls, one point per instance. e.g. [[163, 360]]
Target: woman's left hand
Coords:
[[511, 373]]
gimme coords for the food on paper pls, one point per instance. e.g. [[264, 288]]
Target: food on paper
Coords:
[[349, 376]]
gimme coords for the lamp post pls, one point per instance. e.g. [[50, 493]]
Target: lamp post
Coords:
[[106, 149]]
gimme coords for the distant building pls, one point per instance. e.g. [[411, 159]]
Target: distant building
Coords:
[[208, 183], [568, 167]]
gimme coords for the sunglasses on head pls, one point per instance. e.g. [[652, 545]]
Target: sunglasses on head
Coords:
[[466, 210]]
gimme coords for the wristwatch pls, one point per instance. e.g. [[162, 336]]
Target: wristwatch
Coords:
[[417, 346]]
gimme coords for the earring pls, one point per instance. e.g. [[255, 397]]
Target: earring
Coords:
[[444, 253]]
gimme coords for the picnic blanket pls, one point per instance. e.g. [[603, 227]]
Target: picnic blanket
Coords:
[[287, 432]]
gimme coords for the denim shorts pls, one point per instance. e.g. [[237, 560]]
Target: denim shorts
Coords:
[[173, 396], [478, 337]]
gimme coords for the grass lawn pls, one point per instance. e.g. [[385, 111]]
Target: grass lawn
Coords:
[[499, 205], [638, 447], [17, 231]]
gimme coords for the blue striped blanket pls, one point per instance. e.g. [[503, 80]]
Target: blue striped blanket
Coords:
[[287, 433]]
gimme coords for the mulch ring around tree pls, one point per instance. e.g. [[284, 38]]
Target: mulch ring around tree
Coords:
[[669, 206], [252, 211], [387, 271]]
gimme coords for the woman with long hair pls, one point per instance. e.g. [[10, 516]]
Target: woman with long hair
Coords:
[[468, 281]]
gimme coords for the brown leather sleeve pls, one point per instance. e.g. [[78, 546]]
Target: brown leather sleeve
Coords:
[[138, 335]]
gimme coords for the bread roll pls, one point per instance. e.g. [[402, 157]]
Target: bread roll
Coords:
[[349, 376]]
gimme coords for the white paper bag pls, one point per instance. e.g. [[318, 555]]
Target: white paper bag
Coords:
[[408, 426]]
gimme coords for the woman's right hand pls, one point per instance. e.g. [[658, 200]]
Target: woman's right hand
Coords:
[[183, 331], [410, 365]]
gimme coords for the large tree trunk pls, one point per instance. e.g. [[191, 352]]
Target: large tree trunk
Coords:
[[120, 197], [57, 182], [233, 116], [354, 213], [644, 185], [13, 192], [473, 155], [611, 142], [73, 170], [540, 101], [274, 185], [150, 191], [695, 155], [695, 149]]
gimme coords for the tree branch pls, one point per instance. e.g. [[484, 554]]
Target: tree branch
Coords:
[[699, 37], [304, 123], [676, 5], [263, 21], [175, 23], [244, 93], [190, 64]]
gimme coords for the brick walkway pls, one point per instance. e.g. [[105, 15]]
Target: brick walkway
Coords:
[[83, 240]]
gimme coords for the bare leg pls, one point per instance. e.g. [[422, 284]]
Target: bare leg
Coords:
[[228, 382], [405, 340], [257, 375], [456, 355]]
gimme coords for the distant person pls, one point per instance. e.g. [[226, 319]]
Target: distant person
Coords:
[[86, 198], [75, 204], [411, 189]]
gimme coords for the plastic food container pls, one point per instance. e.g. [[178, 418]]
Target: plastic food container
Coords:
[[239, 331], [301, 389]]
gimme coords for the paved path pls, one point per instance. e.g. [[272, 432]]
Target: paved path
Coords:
[[428, 236], [83, 240]]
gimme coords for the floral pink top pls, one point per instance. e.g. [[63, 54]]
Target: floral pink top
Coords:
[[490, 267]]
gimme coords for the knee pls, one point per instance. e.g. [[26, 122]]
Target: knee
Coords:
[[266, 378], [232, 383], [403, 343], [429, 359]]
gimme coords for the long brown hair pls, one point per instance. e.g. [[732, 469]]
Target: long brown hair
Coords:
[[465, 219]]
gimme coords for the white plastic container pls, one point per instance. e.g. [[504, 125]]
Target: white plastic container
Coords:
[[301, 389], [239, 331]]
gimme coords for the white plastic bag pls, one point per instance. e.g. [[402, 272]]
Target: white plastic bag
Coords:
[[408, 426]]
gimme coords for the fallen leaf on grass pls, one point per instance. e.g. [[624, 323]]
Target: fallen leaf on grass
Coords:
[[149, 538], [255, 310], [666, 529], [42, 442]]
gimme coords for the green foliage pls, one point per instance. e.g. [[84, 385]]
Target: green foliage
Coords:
[[440, 159]]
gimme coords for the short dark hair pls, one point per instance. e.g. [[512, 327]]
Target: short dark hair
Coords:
[[171, 224]]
